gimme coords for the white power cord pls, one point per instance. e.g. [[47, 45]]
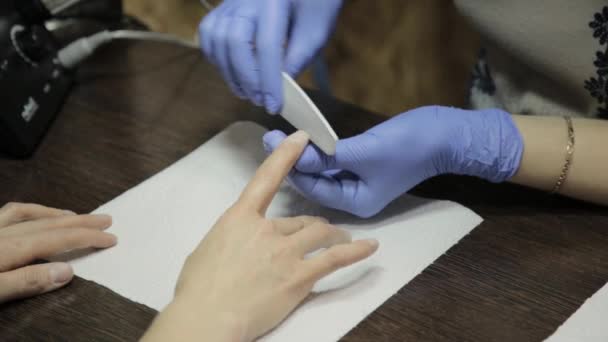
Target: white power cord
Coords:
[[79, 50], [58, 6], [207, 5]]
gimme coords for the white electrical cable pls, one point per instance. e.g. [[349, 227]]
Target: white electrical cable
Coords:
[[207, 5], [58, 6], [79, 50], [153, 36]]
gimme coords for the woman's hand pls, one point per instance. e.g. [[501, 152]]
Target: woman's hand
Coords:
[[250, 272], [372, 169], [29, 232], [253, 41]]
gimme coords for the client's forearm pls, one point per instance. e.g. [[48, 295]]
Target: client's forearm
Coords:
[[183, 321]]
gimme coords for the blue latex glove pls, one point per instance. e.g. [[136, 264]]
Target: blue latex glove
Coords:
[[253, 41], [393, 157]]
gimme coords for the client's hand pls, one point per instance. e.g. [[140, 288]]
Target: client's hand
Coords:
[[250, 272], [29, 232]]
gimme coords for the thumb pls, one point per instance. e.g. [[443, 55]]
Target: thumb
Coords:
[[34, 280]]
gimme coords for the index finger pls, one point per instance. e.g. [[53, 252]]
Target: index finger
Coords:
[[261, 189]]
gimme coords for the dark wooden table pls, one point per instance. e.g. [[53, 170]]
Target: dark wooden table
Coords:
[[138, 108]]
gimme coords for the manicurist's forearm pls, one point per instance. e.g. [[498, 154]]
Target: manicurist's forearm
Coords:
[[545, 142]]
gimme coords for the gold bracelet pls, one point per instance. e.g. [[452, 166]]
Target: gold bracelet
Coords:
[[569, 156]]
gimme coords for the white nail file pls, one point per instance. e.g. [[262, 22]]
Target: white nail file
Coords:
[[301, 112]]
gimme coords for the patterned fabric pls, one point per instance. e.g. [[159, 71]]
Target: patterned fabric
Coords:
[[598, 85], [540, 58]]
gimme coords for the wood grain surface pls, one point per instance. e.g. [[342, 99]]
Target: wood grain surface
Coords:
[[138, 108]]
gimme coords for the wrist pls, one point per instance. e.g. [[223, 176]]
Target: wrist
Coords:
[[490, 146], [187, 320]]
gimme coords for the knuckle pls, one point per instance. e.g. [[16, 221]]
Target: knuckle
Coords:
[[78, 237], [206, 25], [6, 256], [323, 230], [221, 33], [267, 227], [298, 286], [14, 249], [313, 219], [368, 208], [69, 221], [221, 36], [266, 44], [281, 252], [242, 28], [10, 205], [15, 210], [364, 213], [236, 213], [234, 36]]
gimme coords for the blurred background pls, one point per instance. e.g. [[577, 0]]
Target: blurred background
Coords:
[[387, 56]]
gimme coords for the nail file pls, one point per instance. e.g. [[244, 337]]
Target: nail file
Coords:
[[301, 112]]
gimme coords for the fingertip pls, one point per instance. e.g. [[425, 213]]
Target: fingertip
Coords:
[[373, 245], [299, 137], [112, 240], [258, 100], [106, 240], [103, 219], [291, 70], [205, 35], [60, 273], [272, 104], [273, 139]]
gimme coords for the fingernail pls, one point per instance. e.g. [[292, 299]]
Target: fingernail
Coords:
[[69, 212], [291, 71], [267, 147], [60, 273], [257, 99], [112, 240], [373, 243], [299, 137], [271, 104], [266, 142]]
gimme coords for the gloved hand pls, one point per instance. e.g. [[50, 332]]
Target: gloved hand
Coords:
[[372, 169], [246, 40]]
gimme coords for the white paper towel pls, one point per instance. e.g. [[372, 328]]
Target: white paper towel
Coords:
[[588, 324], [162, 220]]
